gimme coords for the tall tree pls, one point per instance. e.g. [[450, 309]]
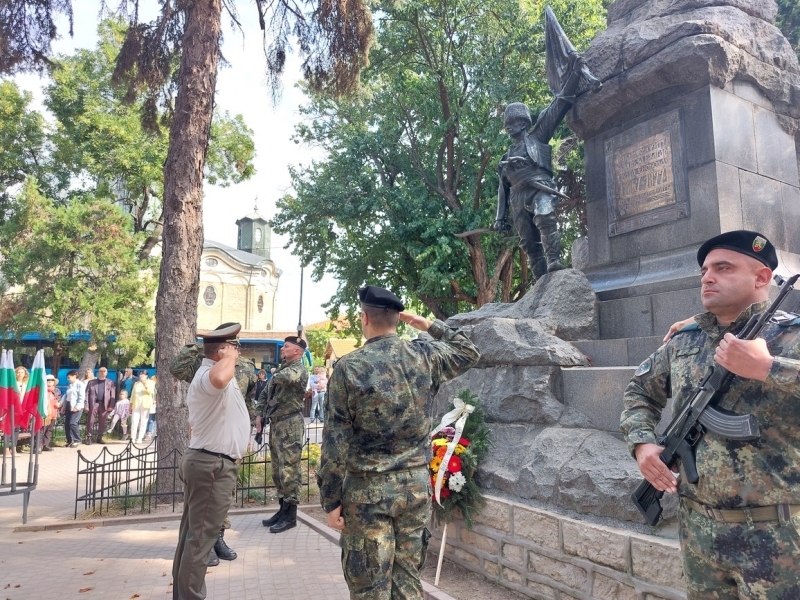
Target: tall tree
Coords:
[[411, 161], [74, 268]]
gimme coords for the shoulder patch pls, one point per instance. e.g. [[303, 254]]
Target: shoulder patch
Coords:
[[645, 366]]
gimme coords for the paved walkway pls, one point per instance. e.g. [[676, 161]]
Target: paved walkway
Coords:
[[55, 557]]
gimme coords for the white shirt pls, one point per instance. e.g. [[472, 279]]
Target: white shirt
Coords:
[[218, 418]]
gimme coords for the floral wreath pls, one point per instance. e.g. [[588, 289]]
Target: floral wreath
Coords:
[[458, 444]]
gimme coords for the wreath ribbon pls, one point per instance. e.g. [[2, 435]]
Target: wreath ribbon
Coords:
[[458, 416]]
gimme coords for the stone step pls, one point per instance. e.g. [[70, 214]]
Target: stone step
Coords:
[[618, 352], [597, 393]]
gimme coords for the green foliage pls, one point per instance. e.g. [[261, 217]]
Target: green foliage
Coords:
[[74, 268], [789, 22], [412, 160], [318, 343], [22, 138]]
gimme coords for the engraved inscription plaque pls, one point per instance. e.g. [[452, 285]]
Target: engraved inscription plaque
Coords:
[[645, 175]]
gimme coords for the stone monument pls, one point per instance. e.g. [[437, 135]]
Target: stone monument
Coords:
[[695, 132]]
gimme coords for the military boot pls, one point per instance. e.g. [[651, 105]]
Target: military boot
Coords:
[[551, 241], [538, 265], [221, 549], [213, 559], [287, 521], [274, 518]]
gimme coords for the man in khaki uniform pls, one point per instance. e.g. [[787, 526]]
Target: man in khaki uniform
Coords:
[[209, 467]]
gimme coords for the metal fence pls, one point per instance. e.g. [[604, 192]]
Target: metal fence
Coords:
[[129, 481], [13, 464]]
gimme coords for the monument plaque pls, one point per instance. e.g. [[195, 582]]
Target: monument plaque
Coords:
[[645, 177]]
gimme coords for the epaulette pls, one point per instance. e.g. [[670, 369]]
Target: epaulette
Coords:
[[785, 319], [690, 327]]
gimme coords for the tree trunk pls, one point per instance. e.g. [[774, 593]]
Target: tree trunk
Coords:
[[89, 360], [178, 290]]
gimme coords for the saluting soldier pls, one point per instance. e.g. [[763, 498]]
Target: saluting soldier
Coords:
[[183, 367], [220, 432], [373, 477], [281, 405], [739, 523]]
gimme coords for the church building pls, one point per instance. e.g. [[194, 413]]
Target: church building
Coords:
[[239, 284]]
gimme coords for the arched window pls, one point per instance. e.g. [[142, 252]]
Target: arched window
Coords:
[[260, 304]]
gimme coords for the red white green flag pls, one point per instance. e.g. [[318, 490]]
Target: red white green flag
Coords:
[[34, 402], [9, 392]]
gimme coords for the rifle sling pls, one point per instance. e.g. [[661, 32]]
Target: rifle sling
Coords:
[[758, 514]]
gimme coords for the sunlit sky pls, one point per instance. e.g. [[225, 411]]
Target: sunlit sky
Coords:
[[241, 89]]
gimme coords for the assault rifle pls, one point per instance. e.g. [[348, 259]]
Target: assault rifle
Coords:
[[684, 432]]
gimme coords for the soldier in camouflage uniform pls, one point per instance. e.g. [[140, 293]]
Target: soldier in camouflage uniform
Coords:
[[373, 477], [739, 524], [281, 405], [183, 367]]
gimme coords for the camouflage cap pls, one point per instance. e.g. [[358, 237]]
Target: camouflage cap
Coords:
[[226, 332], [379, 297], [750, 243]]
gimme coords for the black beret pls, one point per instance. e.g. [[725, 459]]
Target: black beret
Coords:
[[379, 297], [226, 332], [297, 341], [750, 243]]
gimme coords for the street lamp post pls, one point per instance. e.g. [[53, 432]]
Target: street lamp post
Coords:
[[300, 316]]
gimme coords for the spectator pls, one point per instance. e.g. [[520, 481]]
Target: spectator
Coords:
[[151, 419], [318, 389], [88, 375], [122, 409], [73, 405], [128, 381], [261, 382], [142, 398], [100, 399], [53, 404]]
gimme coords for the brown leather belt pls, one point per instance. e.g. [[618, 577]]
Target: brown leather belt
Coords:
[[756, 514]]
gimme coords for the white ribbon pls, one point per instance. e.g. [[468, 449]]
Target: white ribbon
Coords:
[[458, 416]]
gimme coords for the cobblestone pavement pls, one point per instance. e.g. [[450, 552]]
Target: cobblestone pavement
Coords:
[[55, 557]]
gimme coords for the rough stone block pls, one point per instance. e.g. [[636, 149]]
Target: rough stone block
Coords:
[[495, 514], [543, 591], [467, 557], [595, 543], [481, 542], [597, 393], [563, 572], [536, 526], [514, 554], [512, 576], [657, 562], [606, 588], [492, 568]]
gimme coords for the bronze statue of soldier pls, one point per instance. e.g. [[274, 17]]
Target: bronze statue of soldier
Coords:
[[527, 187]]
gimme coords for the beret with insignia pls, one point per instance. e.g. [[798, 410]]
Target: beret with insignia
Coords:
[[297, 341], [379, 297], [750, 243], [226, 332]]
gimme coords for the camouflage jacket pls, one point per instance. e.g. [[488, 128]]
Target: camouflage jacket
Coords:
[[377, 415], [733, 474], [189, 359], [284, 392]]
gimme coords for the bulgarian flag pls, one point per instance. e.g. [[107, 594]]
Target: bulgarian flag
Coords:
[[34, 402], [9, 393]]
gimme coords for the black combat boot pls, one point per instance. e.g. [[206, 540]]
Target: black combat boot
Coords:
[[287, 521], [221, 549], [274, 518], [213, 559]]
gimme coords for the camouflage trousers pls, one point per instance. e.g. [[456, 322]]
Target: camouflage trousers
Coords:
[[385, 541], [285, 449], [732, 561]]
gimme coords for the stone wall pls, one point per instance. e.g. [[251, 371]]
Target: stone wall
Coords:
[[545, 556]]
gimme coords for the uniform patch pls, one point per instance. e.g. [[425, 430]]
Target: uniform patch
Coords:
[[645, 366], [759, 244]]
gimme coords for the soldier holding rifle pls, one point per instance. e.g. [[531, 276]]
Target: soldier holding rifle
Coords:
[[739, 522]]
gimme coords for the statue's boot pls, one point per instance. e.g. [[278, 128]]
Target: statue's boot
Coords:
[[538, 265], [551, 241]]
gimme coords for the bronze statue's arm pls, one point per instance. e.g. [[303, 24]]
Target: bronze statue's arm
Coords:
[[501, 220], [550, 118]]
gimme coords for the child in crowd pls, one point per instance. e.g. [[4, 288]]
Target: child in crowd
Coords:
[[122, 409]]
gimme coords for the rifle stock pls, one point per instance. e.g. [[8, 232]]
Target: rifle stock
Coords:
[[687, 428]]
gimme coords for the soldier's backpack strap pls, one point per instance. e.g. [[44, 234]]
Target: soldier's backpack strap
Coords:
[[690, 327]]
